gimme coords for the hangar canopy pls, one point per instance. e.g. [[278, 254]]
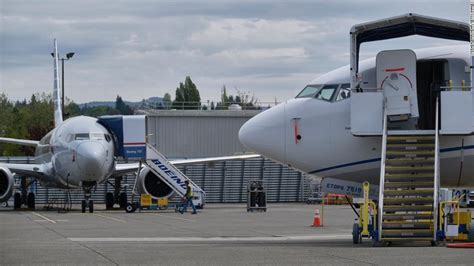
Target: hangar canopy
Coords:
[[402, 26]]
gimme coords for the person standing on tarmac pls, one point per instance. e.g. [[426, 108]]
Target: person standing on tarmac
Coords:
[[188, 198]]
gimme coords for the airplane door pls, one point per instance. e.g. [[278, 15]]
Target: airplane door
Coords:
[[396, 77]]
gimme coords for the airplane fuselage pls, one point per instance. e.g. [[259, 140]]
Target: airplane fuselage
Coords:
[[78, 150], [314, 135]]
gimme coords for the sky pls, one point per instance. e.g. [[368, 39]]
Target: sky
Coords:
[[140, 49]]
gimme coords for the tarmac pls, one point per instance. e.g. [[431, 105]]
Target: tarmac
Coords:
[[221, 234]]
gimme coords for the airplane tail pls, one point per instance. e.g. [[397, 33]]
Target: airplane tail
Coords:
[[58, 114]]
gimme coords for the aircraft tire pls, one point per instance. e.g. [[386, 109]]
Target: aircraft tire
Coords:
[[83, 206], [91, 206], [109, 200], [30, 200], [17, 201], [130, 207], [356, 237], [123, 200]]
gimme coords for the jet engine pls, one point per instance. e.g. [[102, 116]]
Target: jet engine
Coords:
[[6, 184], [149, 183]]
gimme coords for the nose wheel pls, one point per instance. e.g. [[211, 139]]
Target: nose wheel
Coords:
[[87, 203]]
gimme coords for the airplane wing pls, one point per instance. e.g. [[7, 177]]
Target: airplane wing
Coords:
[[33, 170], [214, 159], [24, 142], [126, 168]]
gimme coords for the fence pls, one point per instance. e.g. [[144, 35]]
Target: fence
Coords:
[[223, 182], [206, 105]]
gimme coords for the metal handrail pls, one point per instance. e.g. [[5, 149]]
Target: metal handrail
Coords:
[[382, 171], [436, 173]]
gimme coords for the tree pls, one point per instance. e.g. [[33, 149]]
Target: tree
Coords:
[[71, 109], [167, 101], [187, 95], [122, 107], [225, 100], [100, 111], [246, 100]]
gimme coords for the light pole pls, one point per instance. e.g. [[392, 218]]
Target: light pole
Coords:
[[68, 56]]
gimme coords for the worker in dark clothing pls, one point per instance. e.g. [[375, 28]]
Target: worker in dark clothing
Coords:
[[188, 198]]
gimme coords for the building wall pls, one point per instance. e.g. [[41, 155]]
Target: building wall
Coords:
[[196, 133]]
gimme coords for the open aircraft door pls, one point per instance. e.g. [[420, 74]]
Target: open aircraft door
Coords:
[[395, 86], [396, 77]]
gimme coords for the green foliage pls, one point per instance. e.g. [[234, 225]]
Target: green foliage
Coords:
[[167, 101], [100, 111], [25, 120], [244, 99], [187, 96], [71, 109], [123, 108]]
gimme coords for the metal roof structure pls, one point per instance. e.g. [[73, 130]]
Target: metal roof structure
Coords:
[[402, 26]]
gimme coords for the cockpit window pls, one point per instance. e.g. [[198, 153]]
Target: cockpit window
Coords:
[[344, 92], [97, 136], [308, 91], [69, 138], [82, 136], [327, 92]]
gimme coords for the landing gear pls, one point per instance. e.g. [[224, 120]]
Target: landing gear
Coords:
[[17, 201], [24, 197], [123, 200], [356, 234], [131, 207], [116, 197], [87, 202], [109, 201], [30, 200]]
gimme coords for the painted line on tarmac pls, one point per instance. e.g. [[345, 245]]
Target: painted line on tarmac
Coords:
[[111, 218], [212, 239], [174, 217], [44, 217]]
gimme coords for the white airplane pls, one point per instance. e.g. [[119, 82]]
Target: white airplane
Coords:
[[312, 132], [79, 153]]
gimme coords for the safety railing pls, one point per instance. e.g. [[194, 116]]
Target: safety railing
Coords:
[[208, 105], [382, 170], [436, 173]]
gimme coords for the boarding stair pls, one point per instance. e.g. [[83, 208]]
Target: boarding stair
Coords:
[[409, 185], [169, 173]]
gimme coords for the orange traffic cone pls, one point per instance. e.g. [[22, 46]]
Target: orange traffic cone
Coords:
[[317, 219]]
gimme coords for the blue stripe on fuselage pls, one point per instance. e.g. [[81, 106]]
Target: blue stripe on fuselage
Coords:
[[378, 159]]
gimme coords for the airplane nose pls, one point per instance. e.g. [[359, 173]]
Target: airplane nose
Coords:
[[91, 158], [265, 133]]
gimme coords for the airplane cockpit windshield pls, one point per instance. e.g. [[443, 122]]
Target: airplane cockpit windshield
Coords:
[[87, 136], [309, 91], [81, 136], [327, 92], [97, 136]]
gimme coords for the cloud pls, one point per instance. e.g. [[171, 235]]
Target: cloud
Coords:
[[145, 48]]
